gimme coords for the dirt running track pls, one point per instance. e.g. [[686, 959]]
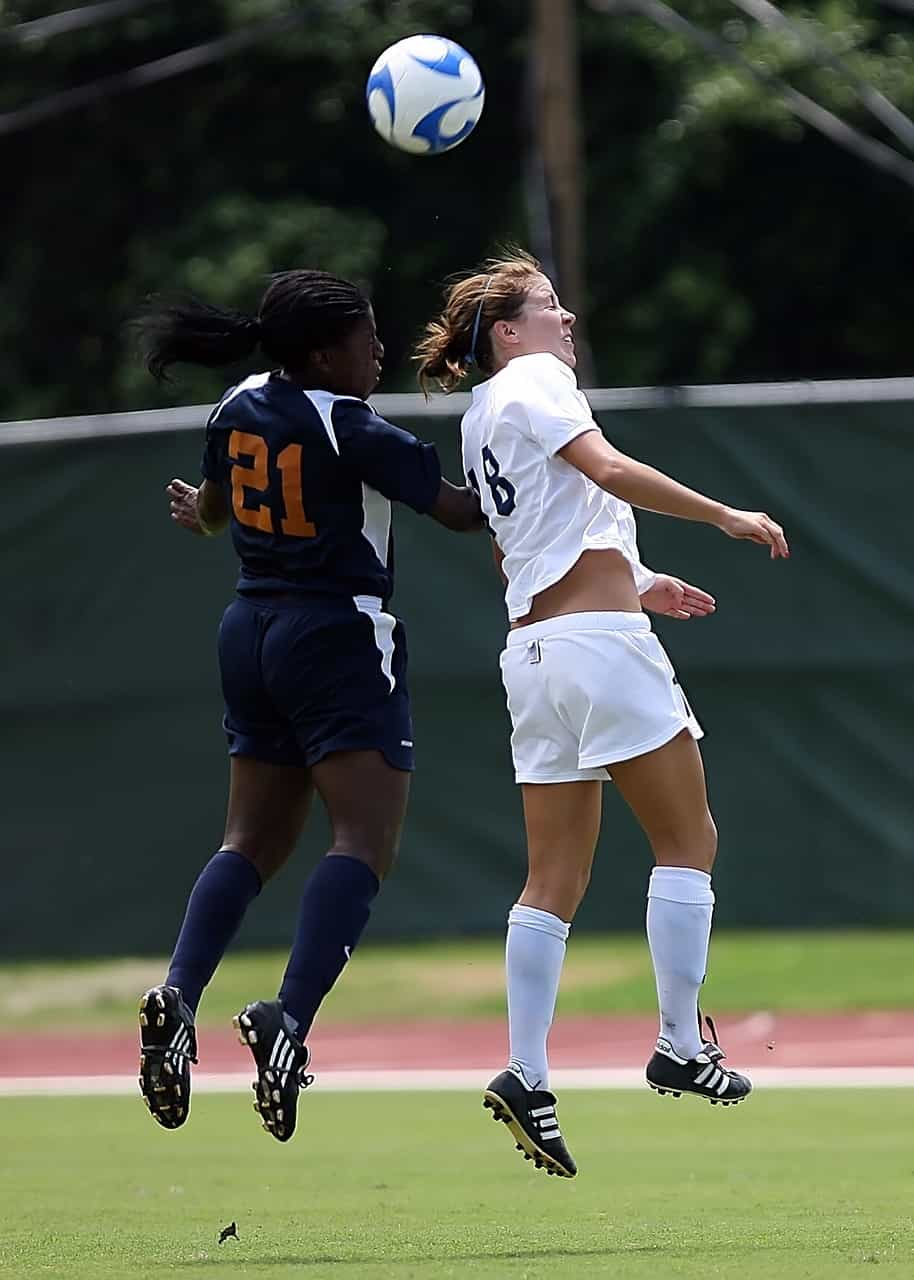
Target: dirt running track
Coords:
[[761, 1039]]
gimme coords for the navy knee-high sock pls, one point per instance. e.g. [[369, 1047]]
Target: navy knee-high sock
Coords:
[[224, 890], [335, 907]]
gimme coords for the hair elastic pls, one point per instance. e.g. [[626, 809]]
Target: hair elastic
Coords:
[[470, 358]]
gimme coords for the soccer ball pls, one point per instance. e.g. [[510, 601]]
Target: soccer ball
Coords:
[[425, 95]]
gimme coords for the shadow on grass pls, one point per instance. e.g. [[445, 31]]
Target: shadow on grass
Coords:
[[327, 1259]]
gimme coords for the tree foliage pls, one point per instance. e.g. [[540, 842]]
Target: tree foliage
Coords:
[[725, 240]]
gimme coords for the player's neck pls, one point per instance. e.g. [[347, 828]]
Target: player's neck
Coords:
[[309, 381]]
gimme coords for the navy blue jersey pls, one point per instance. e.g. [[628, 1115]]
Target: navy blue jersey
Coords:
[[309, 477]]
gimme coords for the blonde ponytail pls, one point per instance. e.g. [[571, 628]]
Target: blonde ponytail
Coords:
[[437, 363]]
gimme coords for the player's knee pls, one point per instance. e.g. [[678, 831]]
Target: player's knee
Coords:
[[705, 844], [377, 848], [559, 890], [579, 885], [381, 861], [266, 855], [696, 848]]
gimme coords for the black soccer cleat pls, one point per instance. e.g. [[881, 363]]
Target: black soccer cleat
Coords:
[[281, 1060], [168, 1045], [702, 1075], [530, 1115]]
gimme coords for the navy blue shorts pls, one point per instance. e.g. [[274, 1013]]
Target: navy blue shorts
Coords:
[[304, 677]]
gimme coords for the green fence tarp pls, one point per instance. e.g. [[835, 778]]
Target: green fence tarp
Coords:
[[113, 768]]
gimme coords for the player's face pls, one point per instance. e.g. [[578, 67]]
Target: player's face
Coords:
[[355, 363], [545, 325]]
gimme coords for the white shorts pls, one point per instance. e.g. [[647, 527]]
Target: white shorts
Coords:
[[586, 690]]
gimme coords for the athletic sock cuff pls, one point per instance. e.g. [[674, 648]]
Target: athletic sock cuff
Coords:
[[542, 921], [681, 884], [243, 866]]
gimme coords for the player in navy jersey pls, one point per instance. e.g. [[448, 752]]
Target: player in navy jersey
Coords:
[[591, 693], [313, 665]]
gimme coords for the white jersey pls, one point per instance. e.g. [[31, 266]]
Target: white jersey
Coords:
[[543, 511]]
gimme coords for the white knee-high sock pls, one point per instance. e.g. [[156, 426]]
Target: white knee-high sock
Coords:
[[534, 954], [680, 903]]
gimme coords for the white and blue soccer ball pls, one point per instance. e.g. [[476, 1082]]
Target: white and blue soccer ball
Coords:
[[425, 95]]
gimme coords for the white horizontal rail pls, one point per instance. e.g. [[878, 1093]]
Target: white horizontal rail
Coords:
[[603, 399]]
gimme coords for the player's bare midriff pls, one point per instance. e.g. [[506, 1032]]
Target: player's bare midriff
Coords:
[[599, 581]]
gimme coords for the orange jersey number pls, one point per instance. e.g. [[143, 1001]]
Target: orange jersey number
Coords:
[[255, 474]]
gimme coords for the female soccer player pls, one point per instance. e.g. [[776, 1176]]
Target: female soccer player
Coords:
[[591, 692], [313, 665]]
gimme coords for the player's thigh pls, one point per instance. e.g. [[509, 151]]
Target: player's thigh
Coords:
[[562, 821], [366, 800], [666, 791], [267, 808]]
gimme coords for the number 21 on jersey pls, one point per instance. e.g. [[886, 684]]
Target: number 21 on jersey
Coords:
[[250, 455], [503, 492]]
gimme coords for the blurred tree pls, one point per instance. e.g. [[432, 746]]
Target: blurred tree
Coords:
[[724, 239], [738, 244], [139, 191], [227, 253]]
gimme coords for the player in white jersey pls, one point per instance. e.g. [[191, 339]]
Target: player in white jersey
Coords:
[[591, 692]]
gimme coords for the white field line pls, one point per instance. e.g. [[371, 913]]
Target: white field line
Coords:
[[430, 1081]]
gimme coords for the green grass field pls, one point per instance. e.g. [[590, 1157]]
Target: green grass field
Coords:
[[611, 974], [792, 1186]]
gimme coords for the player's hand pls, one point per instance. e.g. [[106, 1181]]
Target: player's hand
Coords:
[[183, 505], [674, 598], [757, 527]]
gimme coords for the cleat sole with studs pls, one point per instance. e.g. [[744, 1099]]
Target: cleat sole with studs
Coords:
[[541, 1159], [674, 1093], [275, 1094], [164, 1075]]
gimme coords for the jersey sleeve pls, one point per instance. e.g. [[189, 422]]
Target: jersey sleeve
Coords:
[[385, 457], [213, 462], [644, 577], [555, 409]]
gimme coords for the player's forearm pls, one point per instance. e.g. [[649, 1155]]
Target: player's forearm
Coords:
[[643, 486], [212, 511], [458, 509], [636, 483]]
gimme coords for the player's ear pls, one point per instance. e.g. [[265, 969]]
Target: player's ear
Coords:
[[505, 332], [322, 359]]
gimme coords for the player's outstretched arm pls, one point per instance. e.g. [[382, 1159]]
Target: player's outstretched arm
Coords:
[[457, 509], [203, 511], [645, 487]]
